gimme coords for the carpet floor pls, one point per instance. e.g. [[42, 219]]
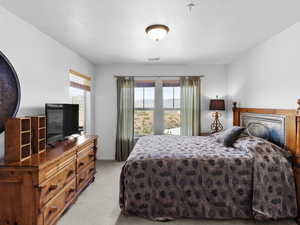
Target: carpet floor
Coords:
[[98, 205]]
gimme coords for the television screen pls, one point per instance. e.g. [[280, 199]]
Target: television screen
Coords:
[[62, 121]]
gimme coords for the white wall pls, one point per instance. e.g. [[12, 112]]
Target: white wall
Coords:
[[268, 76], [42, 65], [214, 83]]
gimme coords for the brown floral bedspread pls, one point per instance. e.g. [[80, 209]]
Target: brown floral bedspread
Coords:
[[168, 177]]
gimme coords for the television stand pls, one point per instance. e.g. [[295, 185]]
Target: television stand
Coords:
[[38, 190]]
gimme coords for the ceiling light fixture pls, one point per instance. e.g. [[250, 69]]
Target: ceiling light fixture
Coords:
[[157, 31]]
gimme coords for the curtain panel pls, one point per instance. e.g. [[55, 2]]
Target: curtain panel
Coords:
[[190, 106], [125, 121]]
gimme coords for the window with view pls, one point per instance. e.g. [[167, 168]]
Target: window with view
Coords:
[[171, 107], [157, 107], [144, 93], [79, 93]]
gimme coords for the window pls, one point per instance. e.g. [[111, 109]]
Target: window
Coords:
[[80, 93], [157, 107], [78, 97], [171, 106], [144, 93]]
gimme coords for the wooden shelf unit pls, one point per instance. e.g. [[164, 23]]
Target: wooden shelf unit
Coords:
[[38, 130], [17, 139]]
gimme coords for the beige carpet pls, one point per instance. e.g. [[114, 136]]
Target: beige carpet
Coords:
[[98, 205]]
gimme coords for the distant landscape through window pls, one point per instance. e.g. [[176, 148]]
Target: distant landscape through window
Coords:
[[151, 114]]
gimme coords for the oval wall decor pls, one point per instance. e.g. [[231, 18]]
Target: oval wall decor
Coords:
[[10, 93]]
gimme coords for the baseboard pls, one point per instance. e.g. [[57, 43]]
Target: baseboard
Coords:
[[105, 158]]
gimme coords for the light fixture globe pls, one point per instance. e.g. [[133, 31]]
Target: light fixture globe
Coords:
[[157, 31]]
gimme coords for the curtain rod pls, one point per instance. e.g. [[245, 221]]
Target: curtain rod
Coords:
[[116, 76]]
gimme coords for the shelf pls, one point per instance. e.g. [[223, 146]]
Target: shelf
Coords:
[[38, 126], [24, 145], [42, 134], [25, 151], [19, 137], [25, 138], [25, 124], [42, 121], [42, 145], [25, 131]]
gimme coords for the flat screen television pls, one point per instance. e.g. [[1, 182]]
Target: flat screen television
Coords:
[[62, 121]]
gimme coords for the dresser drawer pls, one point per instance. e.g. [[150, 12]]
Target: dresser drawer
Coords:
[[85, 147], [53, 167], [52, 186], [55, 207], [70, 192], [84, 159], [48, 171], [84, 176]]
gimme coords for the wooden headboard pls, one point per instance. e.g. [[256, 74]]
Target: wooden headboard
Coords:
[[292, 134]]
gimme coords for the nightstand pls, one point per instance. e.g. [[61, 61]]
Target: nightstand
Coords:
[[205, 134]]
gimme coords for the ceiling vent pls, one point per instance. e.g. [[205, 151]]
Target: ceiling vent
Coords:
[[155, 59]]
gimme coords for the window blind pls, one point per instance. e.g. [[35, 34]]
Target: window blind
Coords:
[[80, 81]]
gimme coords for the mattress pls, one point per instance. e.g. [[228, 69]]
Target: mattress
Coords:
[[168, 177]]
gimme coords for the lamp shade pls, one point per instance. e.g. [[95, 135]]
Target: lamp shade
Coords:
[[217, 104]]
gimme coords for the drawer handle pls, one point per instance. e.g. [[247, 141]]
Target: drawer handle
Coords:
[[52, 210], [80, 180], [52, 188], [91, 155], [92, 169], [70, 192], [80, 164], [70, 173]]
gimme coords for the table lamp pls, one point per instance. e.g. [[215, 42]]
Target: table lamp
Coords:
[[216, 105]]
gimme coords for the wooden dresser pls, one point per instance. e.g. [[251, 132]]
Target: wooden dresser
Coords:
[[38, 190]]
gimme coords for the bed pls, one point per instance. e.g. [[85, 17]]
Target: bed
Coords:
[[169, 177]]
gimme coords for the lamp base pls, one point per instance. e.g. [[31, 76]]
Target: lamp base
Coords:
[[216, 125]]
